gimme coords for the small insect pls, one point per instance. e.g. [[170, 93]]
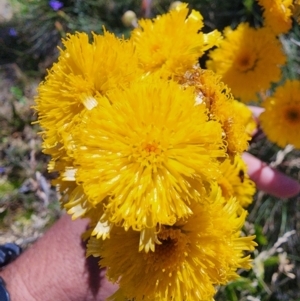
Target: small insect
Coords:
[[242, 175]]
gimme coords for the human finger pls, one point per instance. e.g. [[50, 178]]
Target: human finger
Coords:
[[269, 179], [256, 111]]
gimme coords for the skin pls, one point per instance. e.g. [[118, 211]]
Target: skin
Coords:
[[55, 267], [270, 180]]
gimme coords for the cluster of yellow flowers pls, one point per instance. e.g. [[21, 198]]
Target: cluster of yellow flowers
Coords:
[[147, 145], [249, 60]]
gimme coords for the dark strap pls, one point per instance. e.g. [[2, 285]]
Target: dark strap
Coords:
[[8, 252], [4, 295]]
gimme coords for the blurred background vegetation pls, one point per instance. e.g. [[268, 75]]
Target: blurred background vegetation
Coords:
[[30, 32]]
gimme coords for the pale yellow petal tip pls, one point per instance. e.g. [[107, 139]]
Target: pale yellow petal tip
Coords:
[[76, 211], [148, 239], [174, 5], [90, 102], [102, 230], [178, 5], [199, 99], [69, 174], [196, 16], [212, 38]]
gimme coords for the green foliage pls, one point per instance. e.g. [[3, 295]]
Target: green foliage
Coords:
[[260, 237], [18, 94], [6, 188]]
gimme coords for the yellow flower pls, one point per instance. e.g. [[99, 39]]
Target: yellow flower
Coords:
[[151, 150], [84, 72], [296, 10], [235, 181], [76, 202], [221, 105], [246, 115], [193, 256], [67, 186], [277, 14], [173, 41], [248, 60], [281, 118]]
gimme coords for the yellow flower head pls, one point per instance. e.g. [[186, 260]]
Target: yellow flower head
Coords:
[[296, 10], [221, 106], [67, 186], [248, 60], [84, 72], [172, 42], [246, 115], [281, 119], [235, 181], [151, 150], [193, 256], [277, 14]]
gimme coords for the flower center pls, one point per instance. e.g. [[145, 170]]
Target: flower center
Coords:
[[149, 154], [153, 147], [155, 47], [293, 115], [170, 254], [246, 63]]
